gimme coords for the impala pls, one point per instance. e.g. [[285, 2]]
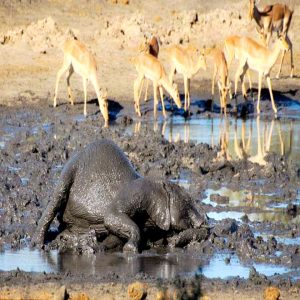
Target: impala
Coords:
[[260, 59], [187, 61], [276, 17], [78, 58], [233, 49], [151, 47], [220, 70], [149, 67]]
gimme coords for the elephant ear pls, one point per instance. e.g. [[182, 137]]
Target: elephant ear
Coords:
[[160, 210]]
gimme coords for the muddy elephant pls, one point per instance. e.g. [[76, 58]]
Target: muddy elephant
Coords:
[[99, 189]]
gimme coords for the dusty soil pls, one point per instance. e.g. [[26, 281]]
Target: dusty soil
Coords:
[[32, 32], [41, 139]]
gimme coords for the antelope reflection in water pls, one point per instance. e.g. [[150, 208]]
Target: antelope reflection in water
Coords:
[[235, 138]]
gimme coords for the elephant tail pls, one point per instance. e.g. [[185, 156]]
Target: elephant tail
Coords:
[[58, 201]]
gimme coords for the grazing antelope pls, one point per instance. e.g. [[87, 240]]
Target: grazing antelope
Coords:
[[220, 70], [149, 67], [259, 58], [276, 17], [78, 58], [188, 62], [151, 47], [233, 49]]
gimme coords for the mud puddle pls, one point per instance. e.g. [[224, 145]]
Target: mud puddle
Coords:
[[252, 138], [254, 206], [158, 265], [35, 145]]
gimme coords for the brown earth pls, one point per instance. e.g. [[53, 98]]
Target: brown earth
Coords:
[[32, 32]]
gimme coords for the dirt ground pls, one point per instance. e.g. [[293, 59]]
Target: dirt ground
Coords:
[[31, 37], [32, 33]]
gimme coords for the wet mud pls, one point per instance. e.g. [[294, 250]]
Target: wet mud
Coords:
[[236, 194]]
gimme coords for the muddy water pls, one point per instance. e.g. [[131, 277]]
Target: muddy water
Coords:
[[252, 138], [159, 265], [270, 207]]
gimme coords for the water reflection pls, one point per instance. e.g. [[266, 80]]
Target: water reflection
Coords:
[[259, 206], [161, 265], [250, 139]]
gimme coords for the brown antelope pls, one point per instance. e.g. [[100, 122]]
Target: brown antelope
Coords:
[[149, 67], [220, 70], [233, 49], [151, 47], [186, 61], [276, 17], [78, 58], [259, 58]]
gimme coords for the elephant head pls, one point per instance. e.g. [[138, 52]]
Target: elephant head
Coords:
[[171, 207]]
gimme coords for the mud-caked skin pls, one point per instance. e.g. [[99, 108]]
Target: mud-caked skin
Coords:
[[100, 190]]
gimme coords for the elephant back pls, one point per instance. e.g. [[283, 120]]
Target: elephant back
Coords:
[[102, 168]]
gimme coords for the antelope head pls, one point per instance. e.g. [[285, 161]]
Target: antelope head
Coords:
[[224, 90], [144, 46], [283, 43], [176, 96]]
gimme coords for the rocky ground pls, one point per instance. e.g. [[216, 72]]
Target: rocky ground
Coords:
[[37, 140]]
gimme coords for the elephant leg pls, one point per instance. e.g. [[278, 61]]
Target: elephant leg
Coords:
[[121, 225], [55, 204], [78, 240]]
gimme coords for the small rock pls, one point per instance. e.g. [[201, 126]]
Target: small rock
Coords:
[[245, 218], [137, 291], [225, 227], [271, 293], [80, 296], [61, 294], [205, 298], [292, 209], [219, 199]]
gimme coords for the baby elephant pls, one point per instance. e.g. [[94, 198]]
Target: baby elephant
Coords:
[[99, 188]]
